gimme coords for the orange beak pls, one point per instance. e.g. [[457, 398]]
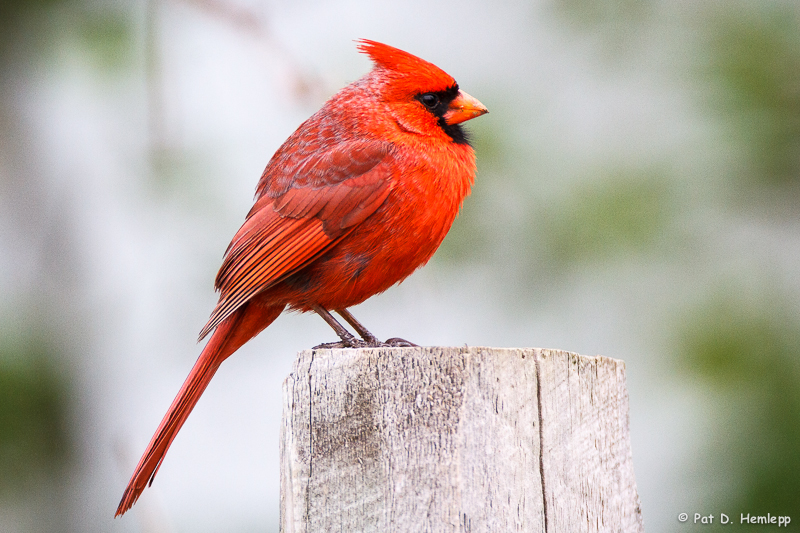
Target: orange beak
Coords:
[[463, 108]]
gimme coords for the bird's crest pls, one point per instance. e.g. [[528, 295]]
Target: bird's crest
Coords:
[[428, 75]]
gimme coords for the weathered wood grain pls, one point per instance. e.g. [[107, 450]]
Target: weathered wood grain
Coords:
[[456, 439]]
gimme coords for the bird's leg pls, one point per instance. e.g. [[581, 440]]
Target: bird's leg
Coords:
[[371, 339], [348, 340]]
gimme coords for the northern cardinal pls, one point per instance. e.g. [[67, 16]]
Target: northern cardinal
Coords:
[[354, 201]]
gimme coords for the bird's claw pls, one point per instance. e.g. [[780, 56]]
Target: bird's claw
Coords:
[[397, 342]]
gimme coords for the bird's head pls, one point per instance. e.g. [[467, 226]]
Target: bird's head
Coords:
[[423, 98]]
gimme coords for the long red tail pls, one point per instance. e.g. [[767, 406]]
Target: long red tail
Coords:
[[229, 336]]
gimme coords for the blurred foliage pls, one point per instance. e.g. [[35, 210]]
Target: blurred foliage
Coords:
[[753, 66], [20, 25], [619, 214], [32, 28], [749, 350], [613, 16], [107, 35], [735, 341], [34, 435], [747, 347], [11, 10]]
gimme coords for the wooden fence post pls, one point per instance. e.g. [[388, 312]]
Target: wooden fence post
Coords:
[[412, 440]]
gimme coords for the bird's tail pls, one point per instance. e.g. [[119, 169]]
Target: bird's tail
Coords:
[[231, 334]]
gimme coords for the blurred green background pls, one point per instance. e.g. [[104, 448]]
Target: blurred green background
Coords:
[[638, 196]]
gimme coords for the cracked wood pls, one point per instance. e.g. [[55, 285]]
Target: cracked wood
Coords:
[[456, 440]]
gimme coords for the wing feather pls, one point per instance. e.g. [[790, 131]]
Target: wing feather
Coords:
[[287, 229]]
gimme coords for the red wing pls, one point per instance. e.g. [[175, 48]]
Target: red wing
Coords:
[[318, 159], [286, 230]]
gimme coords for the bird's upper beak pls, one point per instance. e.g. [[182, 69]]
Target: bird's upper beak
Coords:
[[463, 108]]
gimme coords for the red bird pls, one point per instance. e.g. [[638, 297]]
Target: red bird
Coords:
[[356, 199]]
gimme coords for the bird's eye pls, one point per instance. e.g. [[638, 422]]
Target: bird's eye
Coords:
[[429, 100]]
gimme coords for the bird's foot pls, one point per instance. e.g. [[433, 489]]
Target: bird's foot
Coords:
[[356, 343], [352, 342], [348, 340]]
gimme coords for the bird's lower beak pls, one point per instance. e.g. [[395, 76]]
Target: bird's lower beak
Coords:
[[463, 108]]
